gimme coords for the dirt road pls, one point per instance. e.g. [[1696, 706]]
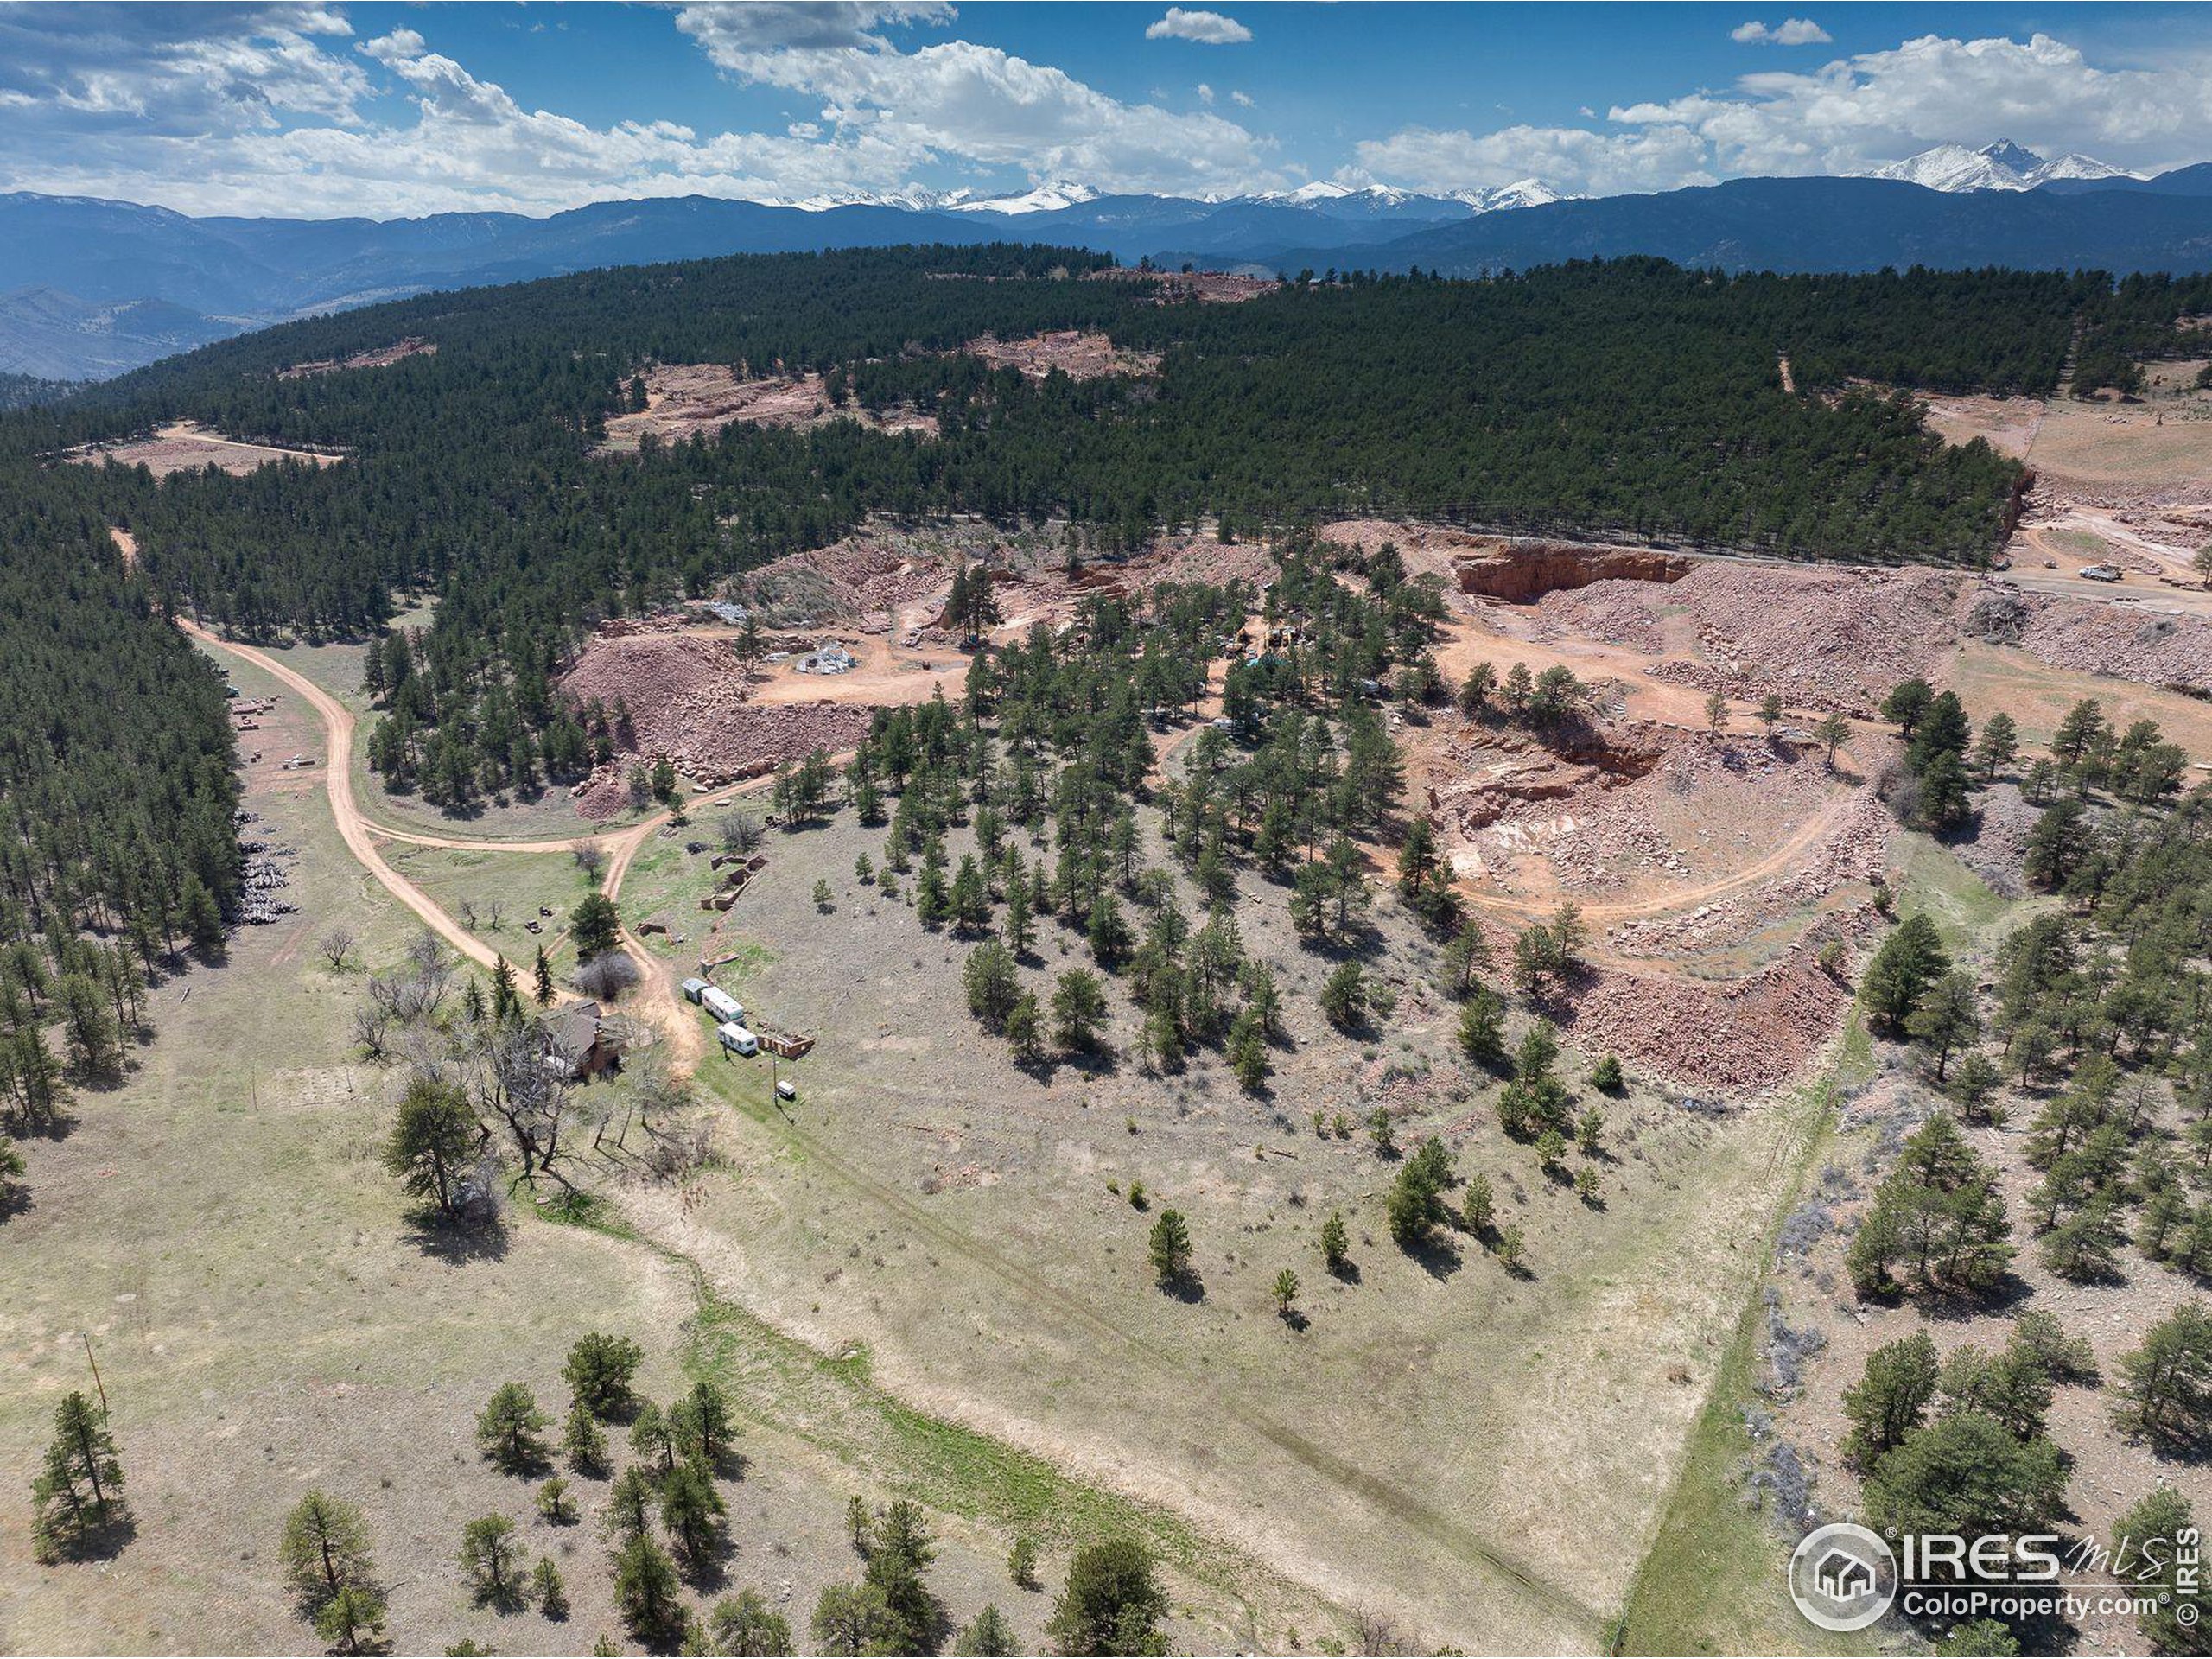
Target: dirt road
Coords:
[[1704, 893], [359, 834]]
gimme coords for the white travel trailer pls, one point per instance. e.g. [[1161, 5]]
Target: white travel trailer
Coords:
[[737, 1040]]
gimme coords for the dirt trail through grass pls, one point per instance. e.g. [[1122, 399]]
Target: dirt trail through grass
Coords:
[[1400, 1507]]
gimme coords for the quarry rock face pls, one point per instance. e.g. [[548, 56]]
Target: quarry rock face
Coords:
[[1521, 571]]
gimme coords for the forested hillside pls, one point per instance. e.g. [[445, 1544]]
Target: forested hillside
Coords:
[[1632, 398], [116, 795], [22, 391]]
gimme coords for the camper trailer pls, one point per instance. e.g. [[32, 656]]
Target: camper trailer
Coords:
[[737, 1040], [720, 1003]]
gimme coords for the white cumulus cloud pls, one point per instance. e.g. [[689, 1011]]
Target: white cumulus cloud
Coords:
[[1570, 158], [279, 109], [1849, 116], [982, 104], [1791, 31], [1206, 27]]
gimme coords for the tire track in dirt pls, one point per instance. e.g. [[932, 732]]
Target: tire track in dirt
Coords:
[[1680, 898]]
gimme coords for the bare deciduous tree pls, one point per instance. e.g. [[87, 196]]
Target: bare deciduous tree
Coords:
[[511, 1082], [606, 975], [739, 830], [591, 859], [1375, 1634], [495, 912], [336, 945], [372, 1025]]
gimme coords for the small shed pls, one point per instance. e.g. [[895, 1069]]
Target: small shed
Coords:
[[694, 988]]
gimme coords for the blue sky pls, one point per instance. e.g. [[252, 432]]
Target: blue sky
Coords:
[[315, 108]]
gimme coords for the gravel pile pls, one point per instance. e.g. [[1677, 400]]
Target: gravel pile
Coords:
[[1753, 1035], [846, 580], [1821, 639], [1619, 613], [1999, 850], [689, 700], [2126, 642]]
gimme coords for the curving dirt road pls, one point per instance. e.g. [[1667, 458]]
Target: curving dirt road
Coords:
[[1702, 892], [338, 783], [362, 833]]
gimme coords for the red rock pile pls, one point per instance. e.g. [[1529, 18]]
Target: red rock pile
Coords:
[[688, 701], [1754, 1035], [684, 400], [2124, 641], [1078, 354], [1819, 639]]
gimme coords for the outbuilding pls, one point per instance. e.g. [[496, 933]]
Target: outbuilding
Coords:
[[694, 989]]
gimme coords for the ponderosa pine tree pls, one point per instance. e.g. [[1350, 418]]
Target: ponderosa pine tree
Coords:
[[77, 1498]]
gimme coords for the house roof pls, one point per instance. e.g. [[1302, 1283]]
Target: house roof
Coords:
[[574, 1029]]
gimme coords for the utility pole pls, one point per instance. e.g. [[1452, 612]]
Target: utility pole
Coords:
[[86, 1337]]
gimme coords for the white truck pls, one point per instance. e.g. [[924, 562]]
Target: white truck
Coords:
[[737, 1040], [720, 1003]]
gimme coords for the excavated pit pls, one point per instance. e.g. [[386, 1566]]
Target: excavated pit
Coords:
[[1509, 770], [1524, 572]]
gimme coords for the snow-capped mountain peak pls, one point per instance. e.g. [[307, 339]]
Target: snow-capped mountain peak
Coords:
[[2006, 154], [1522, 193], [2080, 166], [914, 198], [1043, 198], [2001, 166], [1312, 190]]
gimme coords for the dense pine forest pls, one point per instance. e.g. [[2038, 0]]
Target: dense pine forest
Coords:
[[1632, 398], [22, 391], [116, 795]]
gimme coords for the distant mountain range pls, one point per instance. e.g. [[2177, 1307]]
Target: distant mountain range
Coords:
[[91, 288]]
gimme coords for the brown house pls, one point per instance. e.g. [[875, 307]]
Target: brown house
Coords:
[[577, 1041]]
